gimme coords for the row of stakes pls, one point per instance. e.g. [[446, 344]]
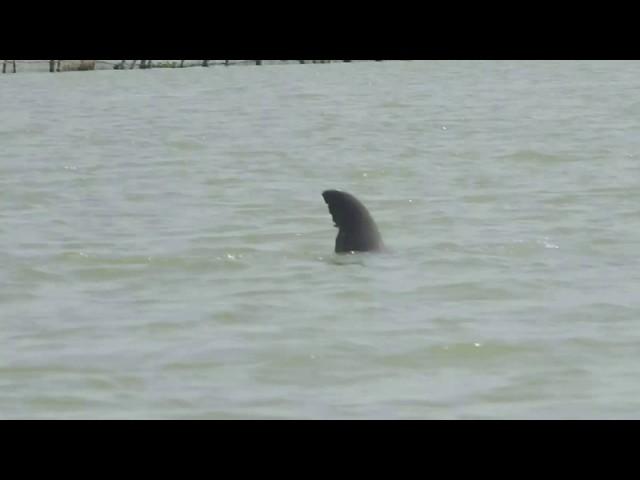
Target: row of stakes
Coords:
[[54, 65]]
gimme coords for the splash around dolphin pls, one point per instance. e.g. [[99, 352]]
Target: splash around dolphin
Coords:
[[357, 231]]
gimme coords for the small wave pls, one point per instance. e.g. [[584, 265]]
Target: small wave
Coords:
[[537, 157]]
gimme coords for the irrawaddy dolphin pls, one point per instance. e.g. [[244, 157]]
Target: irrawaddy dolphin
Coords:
[[357, 232]]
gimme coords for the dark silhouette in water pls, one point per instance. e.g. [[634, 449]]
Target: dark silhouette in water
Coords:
[[357, 230]]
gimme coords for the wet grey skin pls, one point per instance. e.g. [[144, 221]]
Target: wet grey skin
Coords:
[[357, 231]]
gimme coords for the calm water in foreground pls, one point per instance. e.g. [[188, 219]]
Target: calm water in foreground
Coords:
[[166, 252]]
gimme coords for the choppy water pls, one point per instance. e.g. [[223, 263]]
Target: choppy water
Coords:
[[166, 252]]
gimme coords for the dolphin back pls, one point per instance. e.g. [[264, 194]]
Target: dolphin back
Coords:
[[358, 231]]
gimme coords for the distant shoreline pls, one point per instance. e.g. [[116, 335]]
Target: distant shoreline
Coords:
[[60, 66]]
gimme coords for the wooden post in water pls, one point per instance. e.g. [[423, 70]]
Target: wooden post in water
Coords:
[[52, 66], [258, 62], [205, 63], [4, 65], [133, 64], [58, 66], [181, 63]]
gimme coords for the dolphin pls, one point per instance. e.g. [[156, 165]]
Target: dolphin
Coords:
[[357, 232]]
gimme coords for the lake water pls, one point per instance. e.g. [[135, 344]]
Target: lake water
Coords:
[[166, 252]]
